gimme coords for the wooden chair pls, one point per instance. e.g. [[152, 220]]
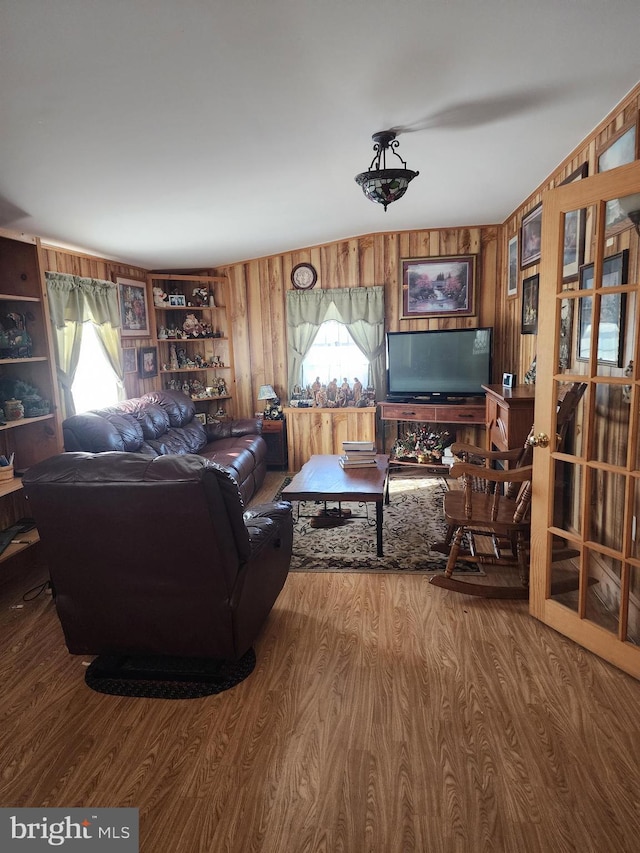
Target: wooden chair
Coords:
[[490, 514]]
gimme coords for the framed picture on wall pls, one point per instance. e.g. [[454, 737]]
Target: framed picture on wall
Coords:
[[531, 237], [530, 288], [134, 309], [129, 360], [438, 287], [147, 362], [612, 311], [512, 281], [622, 148], [574, 232]]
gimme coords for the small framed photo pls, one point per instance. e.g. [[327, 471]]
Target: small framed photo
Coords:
[[512, 283], [134, 310], [438, 287], [177, 300], [129, 360], [530, 288], [531, 237], [201, 417], [147, 362], [574, 232]]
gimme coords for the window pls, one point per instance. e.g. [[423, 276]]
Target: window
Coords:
[[95, 384], [334, 355]]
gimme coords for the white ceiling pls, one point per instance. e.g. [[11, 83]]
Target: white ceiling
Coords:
[[187, 133]]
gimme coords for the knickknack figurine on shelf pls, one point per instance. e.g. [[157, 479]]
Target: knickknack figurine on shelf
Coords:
[[422, 445], [22, 400]]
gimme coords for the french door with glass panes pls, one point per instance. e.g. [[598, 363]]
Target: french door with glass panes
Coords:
[[588, 496]]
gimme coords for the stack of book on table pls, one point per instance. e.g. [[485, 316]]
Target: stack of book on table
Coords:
[[358, 454]]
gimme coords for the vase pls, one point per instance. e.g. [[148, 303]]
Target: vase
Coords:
[[13, 410]]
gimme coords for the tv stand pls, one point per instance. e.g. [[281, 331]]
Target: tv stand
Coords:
[[438, 413], [446, 412]]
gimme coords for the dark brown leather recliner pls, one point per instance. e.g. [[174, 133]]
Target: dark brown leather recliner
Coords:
[[157, 556]]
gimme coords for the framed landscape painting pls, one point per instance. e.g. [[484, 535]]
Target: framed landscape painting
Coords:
[[622, 148], [612, 311], [438, 287], [574, 232], [531, 237]]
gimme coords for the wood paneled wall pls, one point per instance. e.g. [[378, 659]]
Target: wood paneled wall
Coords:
[[258, 291], [515, 352]]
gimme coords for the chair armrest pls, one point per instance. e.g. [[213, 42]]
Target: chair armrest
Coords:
[[275, 509], [490, 455], [493, 475], [228, 429]]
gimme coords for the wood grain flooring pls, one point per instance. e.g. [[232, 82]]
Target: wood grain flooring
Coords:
[[383, 715]]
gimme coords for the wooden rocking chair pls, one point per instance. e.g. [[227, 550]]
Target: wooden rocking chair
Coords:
[[490, 515]]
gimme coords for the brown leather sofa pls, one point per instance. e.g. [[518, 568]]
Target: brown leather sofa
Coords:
[[156, 555], [163, 422]]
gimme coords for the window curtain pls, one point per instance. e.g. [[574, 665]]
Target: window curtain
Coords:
[[74, 301], [359, 308]]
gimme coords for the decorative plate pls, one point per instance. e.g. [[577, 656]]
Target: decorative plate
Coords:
[[303, 276]]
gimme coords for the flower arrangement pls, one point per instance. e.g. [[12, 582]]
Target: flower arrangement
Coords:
[[421, 445]]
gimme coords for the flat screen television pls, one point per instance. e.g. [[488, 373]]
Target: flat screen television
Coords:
[[439, 364]]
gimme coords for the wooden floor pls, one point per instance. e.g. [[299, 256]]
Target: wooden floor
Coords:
[[383, 715]]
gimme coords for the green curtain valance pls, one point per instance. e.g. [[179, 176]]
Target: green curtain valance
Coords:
[[75, 299]]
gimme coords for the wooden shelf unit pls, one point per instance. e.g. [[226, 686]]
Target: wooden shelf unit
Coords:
[[23, 291], [209, 348]]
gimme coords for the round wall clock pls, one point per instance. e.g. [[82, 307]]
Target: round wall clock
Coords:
[[303, 276]]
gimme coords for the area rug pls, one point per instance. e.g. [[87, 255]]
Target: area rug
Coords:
[[412, 522], [166, 677]]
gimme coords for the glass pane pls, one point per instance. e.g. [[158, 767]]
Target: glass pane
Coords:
[[566, 572], [611, 425], [633, 614], [570, 417], [567, 496], [606, 509], [634, 546], [584, 310], [603, 599], [566, 337]]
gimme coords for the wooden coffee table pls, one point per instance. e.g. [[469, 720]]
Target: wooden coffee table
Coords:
[[323, 479]]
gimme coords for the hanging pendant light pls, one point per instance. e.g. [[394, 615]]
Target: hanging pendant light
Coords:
[[380, 184]]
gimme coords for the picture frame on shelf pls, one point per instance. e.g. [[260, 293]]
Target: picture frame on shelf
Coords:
[[530, 290], [612, 312], [129, 360], [177, 300], [147, 362], [134, 307], [531, 237], [574, 232], [201, 417], [620, 149], [512, 277], [438, 286]]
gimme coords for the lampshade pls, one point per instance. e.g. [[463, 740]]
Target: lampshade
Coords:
[[630, 205], [380, 184], [266, 392]]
